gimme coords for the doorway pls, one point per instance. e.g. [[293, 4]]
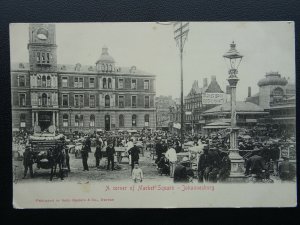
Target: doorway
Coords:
[[107, 122], [45, 120]]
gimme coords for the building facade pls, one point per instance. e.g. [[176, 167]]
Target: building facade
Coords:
[[78, 97], [278, 97]]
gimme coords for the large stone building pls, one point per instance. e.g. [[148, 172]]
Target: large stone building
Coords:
[[78, 97]]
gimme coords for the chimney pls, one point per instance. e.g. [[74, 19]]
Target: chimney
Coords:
[[204, 82], [249, 92], [213, 78]]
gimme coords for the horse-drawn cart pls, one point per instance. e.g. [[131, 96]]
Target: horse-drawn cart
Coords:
[[46, 152]]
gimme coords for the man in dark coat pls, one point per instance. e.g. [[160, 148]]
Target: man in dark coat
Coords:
[[65, 148], [204, 164], [255, 165], [98, 153], [182, 173], [110, 152], [85, 155], [28, 161], [134, 152], [225, 166], [286, 169], [158, 150], [88, 143]]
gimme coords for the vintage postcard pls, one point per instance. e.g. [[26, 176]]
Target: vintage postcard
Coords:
[[153, 114]]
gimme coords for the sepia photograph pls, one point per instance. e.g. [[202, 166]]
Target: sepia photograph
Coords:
[[173, 114]]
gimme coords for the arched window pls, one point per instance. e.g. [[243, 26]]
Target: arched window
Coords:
[[44, 99], [107, 101], [102, 67], [44, 81], [134, 120], [22, 120], [48, 81], [76, 120], [65, 120], [81, 121], [109, 83], [121, 120], [277, 94], [39, 83], [146, 120], [104, 83], [92, 121]]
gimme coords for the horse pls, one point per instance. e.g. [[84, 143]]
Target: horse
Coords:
[[56, 157]]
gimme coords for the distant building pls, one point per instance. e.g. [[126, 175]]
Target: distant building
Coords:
[[163, 105], [247, 113], [197, 102], [278, 97], [78, 97]]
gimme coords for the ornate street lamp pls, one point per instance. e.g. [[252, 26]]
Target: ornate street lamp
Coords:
[[233, 59]]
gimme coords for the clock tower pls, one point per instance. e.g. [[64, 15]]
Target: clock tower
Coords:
[[43, 77], [42, 48]]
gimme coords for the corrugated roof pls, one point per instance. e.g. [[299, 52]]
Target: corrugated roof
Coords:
[[240, 107]]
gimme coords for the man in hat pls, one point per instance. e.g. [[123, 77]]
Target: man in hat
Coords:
[[134, 153], [84, 156], [203, 163], [172, 157], [286, 169], [28, 161], [158, 150], [182, 173], [98, 153], [110, 151], [255, 164]]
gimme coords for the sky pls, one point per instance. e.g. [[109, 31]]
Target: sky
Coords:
[[266, 47]]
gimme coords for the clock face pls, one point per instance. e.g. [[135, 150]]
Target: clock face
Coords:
[[42, 34]]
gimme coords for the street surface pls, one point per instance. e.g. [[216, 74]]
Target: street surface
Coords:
[[77, 174]]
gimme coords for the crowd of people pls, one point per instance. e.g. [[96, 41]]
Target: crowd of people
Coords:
[[212, 160]]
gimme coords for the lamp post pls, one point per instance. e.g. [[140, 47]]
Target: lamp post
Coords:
[[234, 58]]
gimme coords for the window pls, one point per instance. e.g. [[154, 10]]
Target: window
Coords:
[[48, 57], [134, 120], [76, 120], [109, 83], [92, 121], [121, 102], [133, 84], [92, 82], [65, 100], [121, 120], [38, 57], [22, 99], [147, 101], [78, 82], [21, 81], [48, 81], [22, 120], [92, 101], [39, 82], [133, 101], [146, 120], [104, 83], [81, 121], [78, 101], [64, 82], [44, 81], [65, 120], [44, 99], [121, 83], [146, 84], [43, 57], [107, 101]]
